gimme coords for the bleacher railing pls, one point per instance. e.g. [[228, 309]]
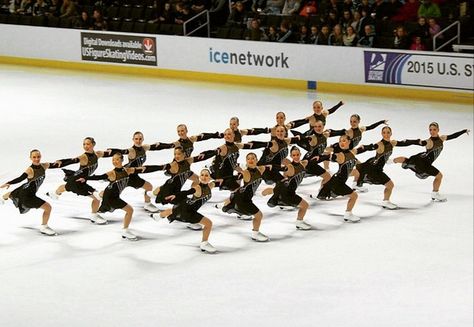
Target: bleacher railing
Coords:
[[456, 24], [201, 26]]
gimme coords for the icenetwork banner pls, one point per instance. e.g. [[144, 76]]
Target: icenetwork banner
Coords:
[[440, 71], [118, 48]]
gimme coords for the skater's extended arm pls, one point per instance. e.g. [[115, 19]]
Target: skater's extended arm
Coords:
[[63, 163], [337, 106], [374, 125], [258, 131], [204, 155], [152, 168], [457, 134], [98, 177], [208, 136], [408, 142], [161, 146], [337, 132], [16, 180], [299, 122]]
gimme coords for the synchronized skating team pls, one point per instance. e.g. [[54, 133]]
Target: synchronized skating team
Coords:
[[273, 167]]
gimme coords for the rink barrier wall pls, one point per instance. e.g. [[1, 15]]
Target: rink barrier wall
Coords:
[[329, 69]]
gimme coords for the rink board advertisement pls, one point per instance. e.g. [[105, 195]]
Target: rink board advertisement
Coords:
[[117, 48], [427, 70], [411, 70]]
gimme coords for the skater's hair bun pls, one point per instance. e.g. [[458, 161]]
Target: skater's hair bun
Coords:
[[34, 150], [183, 125], [387, 127], [179, 148], [281, 112], [250, 154], [435, 124], [136, 133], [356, 116], [118, 154], [317, 101], [206, 170], [91, 139], [235, 118], [294, 148]]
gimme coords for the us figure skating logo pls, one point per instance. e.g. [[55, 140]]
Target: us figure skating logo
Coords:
[[384, 67], [376, 69]]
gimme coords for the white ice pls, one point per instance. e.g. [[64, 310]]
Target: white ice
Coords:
[[409, 267]]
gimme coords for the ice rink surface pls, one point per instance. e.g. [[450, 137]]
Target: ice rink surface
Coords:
[[408, 267]]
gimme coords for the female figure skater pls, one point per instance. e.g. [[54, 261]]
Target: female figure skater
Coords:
[[284, 193], [371, 171], [186, 209], [337, 184], [136, 158], [355, 131], [238, 133], [280, 122], [24, 197], [225, 161], [320, 114], [118, 181], [422, 163], [75, 180], [240, 201], [179, 171], [187, 142], [275, 153]]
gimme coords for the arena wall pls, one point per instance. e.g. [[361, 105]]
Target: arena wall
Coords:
[[381, 72]]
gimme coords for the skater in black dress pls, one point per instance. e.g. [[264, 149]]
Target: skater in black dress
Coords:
[[371, 171], [337, 186], [238, 133], [275, 153], [118, 181], [136, 158], [186, 209], [24, 197], [76, 180], [225, 161], [179, 171], [284, 193], [320, 114], [240, 201], [281, 121], [422, 163], [187, 142]]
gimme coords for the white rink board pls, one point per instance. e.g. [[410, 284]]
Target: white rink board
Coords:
[[285, 61]]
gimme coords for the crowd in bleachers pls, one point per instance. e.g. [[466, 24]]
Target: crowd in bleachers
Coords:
[[408, 24]]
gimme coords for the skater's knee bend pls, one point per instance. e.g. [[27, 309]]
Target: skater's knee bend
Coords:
[[304, 204], [147, 186]]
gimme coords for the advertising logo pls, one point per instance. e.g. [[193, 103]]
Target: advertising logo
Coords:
[[148, 46], [384, 67]]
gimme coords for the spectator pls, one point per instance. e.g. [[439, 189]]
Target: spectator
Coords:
[[183, 13], [334, 6], [83, 21], [323, 36], [367, 41], [286, 34], [238, 16], [274, 6], [273, 35], [310, 8], [381, 9], [291, 7], [346, 19], [14, 6], [393, 6], [26, 7], [258, 5], [401, 39], [255, 32], [218, 11], [365, 20], [198, 6], [303, 35], [417, 44], [68, 9], [40, 8], [98, 22], [348, 5], [166, 15], [356, 22], [364, 5], [332, 19], [434, 28], [54, 9], [429, 9], [313, 36], [422, 29], [408, 12], [336, 37], [350, 38]]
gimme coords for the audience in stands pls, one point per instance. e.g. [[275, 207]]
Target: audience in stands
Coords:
[[303, 35], [68, 9], [336, 37], [323, 36], [40, 8], [255, 32], [83, 21], [417, 44], [238, 16], [434, 28], [408, 12], [346, 19], [350, 38], [310, 8], [273, 34], [313, 36], [401, 39], [286, 34], [367, 40], [429, 9], [98, 21], [291, 7]]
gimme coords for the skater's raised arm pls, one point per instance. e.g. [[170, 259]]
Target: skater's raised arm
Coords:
[[455, 135], [337, 106], [161, 146], [206, 136], [22, 177], [374, 125], [404, 143], [203, 156]]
